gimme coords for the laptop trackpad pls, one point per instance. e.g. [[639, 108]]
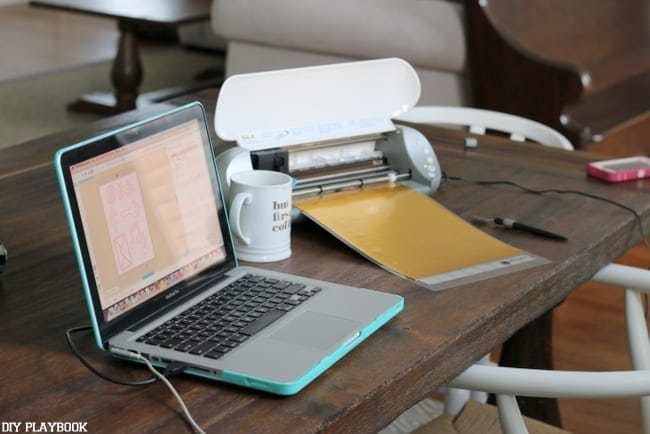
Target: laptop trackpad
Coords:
[[316, 330]]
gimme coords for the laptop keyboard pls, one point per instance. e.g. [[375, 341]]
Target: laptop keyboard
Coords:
[[221, 322]]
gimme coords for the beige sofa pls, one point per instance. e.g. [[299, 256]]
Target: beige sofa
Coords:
[[429, 34]]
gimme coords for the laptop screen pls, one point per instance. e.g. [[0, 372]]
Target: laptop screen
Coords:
[[149, 207]]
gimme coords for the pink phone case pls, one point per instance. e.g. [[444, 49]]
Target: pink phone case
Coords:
[[595, 169]]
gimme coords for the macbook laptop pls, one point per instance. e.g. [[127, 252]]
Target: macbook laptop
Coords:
[[160, 274]]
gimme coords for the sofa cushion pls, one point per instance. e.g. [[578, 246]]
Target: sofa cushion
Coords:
[[426, 33]]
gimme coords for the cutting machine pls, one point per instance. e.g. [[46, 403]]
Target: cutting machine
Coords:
[[329, 127]]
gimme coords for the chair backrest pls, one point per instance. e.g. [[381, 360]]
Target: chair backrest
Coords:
[[479, 120]]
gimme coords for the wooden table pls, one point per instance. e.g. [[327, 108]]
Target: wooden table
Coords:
[[433, 339], [126, 72]]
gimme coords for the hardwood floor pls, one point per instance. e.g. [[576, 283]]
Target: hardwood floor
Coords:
[[35, 40], [589, 326]]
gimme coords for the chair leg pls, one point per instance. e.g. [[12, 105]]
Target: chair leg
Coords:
[[532, 347], [510, 418], [637, 333], [455, 400], [480, 396], [645, 414]]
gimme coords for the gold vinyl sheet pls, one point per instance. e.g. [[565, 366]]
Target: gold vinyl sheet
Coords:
[[403, 230]]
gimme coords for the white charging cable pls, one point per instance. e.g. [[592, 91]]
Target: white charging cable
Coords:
[[164, 379]]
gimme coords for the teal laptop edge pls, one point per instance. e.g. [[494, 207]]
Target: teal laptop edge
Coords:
[[292, 388]]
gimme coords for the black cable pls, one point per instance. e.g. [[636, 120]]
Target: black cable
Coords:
[[445, 177], [86, 363], [558, 191]]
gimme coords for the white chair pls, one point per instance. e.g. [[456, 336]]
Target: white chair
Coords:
[[479, 120], [507, 383]]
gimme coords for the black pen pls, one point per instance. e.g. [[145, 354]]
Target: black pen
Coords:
[[510, 223]]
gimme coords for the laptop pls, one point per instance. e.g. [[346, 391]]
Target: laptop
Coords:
[[160, 274]]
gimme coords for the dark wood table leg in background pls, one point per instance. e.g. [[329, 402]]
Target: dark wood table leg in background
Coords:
[[126, 73], [531, 347], [126, 76]]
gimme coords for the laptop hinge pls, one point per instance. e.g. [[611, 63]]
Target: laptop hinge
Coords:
[[151, 317]]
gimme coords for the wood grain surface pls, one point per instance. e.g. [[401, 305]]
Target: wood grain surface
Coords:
[[433, 339]]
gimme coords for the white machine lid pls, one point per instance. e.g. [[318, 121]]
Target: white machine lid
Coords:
[[313, 104]]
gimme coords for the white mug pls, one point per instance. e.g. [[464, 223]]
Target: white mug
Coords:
[[260, 215]]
